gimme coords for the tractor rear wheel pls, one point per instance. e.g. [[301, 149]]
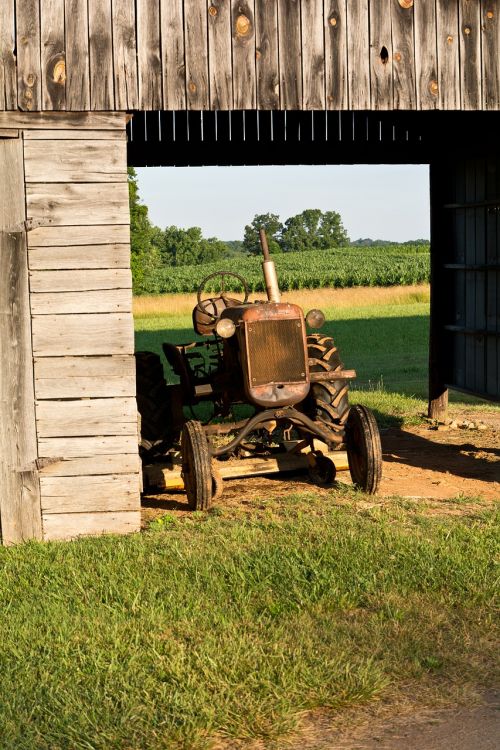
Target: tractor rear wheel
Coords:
[[364, 450], [196, 466], [153, 404], [328, 401]]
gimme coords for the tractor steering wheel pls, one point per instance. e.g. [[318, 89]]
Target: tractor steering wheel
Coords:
[[222, 293]]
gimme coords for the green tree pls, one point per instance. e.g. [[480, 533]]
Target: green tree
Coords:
[[144, 248], [273, 226], [182, 247], [313, 230]]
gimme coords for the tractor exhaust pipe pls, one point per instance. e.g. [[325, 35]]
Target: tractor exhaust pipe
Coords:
[[269, 269]]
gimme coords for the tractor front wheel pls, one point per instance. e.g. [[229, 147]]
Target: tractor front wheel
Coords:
[[364, 450], [196, 466], [328, 400]]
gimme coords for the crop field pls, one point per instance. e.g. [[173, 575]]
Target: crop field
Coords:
[[337, 268]]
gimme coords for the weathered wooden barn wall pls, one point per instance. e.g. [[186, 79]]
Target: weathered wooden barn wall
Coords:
[[79, 312], [249, 54]]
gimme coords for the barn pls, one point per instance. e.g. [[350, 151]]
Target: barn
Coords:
[[88, 87]]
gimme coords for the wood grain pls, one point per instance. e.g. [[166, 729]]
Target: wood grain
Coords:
[[61, 120], [53, 59], [196, 50], [84, 387], [77, 55], [29, 83], [8, 71], [490, 18], [381, 68], [110, 493], [79, 256], [335, 14], [75, 161], [80, 280], [74, 236], [70, 335], [93, 466], [126, 89], [101, 55], [267, 65], [75, 135], [149, 55], [62, 303], [470, 54], [290, 54], [313, 55], [448, 54], [90, 367], [403, 56], [61, 526], [87, 447], [172, 52], [220, 54], [100, 416], [243, 35], [358, 54], [70, 204], [20, 515], [426, 65]]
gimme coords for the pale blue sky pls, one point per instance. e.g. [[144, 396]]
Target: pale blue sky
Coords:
[[381, 202]]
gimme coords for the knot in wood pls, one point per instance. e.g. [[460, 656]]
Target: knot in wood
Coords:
[[243, 25], [333, 21], [192, 87], [213, 11], [397, 56], [406, 4], [449, 39], [30, 79], [434, 88], [59, 72], [490, 14], [467, 30]]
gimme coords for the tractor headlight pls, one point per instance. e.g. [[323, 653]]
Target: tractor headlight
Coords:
[[315, 318], [225, 328]]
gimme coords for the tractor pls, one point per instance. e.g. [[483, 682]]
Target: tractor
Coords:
[[258, 354]]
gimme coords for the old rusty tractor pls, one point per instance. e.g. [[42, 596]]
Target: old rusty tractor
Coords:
[[257, 354]]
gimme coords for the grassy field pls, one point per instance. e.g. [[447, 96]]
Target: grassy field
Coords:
[[231, 625]]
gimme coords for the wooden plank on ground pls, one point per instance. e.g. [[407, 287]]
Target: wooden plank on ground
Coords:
[[358, 54], [313, 55], [77, 55], [83, 447], [149, 55], [61, 303], [75, 335], [448, 54], [90, 367], [90, 493], [80, 281], [243, 35], [220, 55], [125, 55], [67, 204], [403, 55], [290, 62], [267, 64], [79, 236], [196, 51], [172, 53], [20, 514], [470, 54], [90, 466], [381, 66], [8, 70], [28, 55], [75, 161], [490, 44], [426, 70], [61, 120], [335, 12], [53, 59], [79, 256], [99, 416], [61, 526], [101, 55]]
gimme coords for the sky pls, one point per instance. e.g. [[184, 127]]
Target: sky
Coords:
[[388, 202]]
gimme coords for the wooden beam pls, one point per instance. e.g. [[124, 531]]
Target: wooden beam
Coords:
[[125, 55], [220, 55], [289, 34], [102, 95], [53, 58], [381, 54], [403, 50], [88, 335], [358, 54], [8, 72], [448, 45], [77, 55], [335, 15], [79, 256], [313, 55], [29, 85], [75, 161], [60, 120], [267, 66], [60, 526], [69, 204], [172, 54], [243, 36], [196, 47], [111, 493], [426, 66], [149, 55]]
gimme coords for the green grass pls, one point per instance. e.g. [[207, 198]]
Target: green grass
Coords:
[[231, 625]]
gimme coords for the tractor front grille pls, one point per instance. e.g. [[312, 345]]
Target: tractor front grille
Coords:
[[276, 352]]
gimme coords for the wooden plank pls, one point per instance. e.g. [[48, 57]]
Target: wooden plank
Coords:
[[313, 55], [53, 60], [125, 55], [149, 55], [448, 54], [196, 50], [65, 526], [113, 301], [267, 64], [79, 236], [172, 53], [470, 54], [93, 466], [82, 447], [220, 54], [83, 280], [290, 54], [90, 493], [358, 54], [29, 84], [84, 387], [79, 256], [20, 514], [89, 367], [8, 70], [243, 35], [99, 416], [381, 65], [74, 335], [69, 204], [9, 133], [61, 120], [426, 68], [101, 55], [75, 161], [77, 55], [490, 16], [75, 135], [335, 12], [403, 46]]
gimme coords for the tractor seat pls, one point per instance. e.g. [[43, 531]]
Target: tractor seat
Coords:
[[187, 365]]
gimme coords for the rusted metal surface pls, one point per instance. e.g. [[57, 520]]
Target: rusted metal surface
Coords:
[[317, 377]]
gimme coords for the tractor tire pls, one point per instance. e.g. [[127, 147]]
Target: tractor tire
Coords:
[[196, 466], [327, 402], [153, 404], [364, 450]]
